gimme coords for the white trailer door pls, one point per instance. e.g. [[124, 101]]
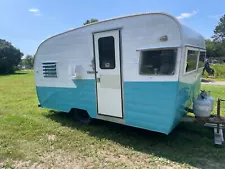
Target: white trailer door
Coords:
[[108, 74]]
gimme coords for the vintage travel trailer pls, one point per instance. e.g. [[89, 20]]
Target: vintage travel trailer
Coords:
[[140, 70]]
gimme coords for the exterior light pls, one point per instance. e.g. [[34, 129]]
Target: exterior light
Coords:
[[164, 38]]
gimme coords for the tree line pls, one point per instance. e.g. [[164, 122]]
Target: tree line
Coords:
[[27, 62], [10, 57], [215, 47]]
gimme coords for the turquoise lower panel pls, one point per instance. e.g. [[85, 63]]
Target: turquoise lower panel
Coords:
[[150, 105], [147, 105], [63, 99], [188, 89]]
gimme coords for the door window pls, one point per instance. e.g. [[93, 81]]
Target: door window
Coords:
[[106, 48]]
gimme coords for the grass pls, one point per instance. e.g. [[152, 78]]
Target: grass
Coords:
[[216, 92], [40, 138], [219, 72]]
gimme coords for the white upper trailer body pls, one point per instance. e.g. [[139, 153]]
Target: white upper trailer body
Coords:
[[139, 70]]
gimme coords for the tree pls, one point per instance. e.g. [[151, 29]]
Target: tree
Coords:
[[90, 21], [219, 38], [210, 48], [220, 49], [219, 32], [10, 57], [28, 62]]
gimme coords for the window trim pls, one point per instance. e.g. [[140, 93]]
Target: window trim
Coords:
[[186, 54], [192, 46], [157, 49]]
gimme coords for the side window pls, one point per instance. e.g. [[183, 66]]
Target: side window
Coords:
[[201, 59], [191, 63], [106, 48], [158, 62]]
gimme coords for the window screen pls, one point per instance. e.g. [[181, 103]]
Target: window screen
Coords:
[[192, 57], [158, 62], [106, 48], [201, 60]]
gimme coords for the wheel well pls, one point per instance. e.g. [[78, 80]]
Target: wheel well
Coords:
[[81, 115], [74, 110]]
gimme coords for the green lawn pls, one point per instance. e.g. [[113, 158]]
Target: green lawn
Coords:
[[219, 72], [39, 138]]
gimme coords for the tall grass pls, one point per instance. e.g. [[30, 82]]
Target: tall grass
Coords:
[[219, 71]]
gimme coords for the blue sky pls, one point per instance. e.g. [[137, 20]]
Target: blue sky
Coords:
[[26, 23]]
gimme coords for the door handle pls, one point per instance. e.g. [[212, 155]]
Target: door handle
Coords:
[[98, 79]]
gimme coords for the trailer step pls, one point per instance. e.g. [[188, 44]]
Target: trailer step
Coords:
[[213, 125], [218, 132], [218, 137]]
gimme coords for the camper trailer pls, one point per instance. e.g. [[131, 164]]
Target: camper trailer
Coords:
[[140, 70]]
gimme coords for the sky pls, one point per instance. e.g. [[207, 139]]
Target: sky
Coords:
[[26, 23]]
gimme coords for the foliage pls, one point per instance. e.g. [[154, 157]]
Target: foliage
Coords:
[[219, 71], [220, 49], [9, 57], [28, 62], [219, 32], [216, 47], [90, 21], [210, 48], [31, 137]]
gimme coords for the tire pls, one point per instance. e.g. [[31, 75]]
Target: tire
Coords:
[[82, 116]]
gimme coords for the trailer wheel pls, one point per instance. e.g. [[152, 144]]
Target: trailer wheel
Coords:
[[82, 116]]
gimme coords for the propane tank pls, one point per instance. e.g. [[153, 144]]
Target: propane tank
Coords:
[[202, 105], [211, 99]]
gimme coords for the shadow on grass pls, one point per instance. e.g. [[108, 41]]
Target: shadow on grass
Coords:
[[206, 80], [20, 73], [16, 73], [188, 144]]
